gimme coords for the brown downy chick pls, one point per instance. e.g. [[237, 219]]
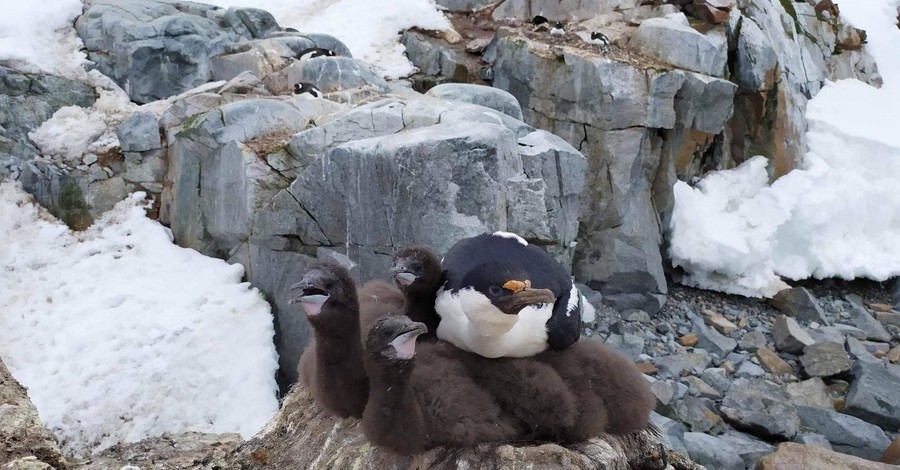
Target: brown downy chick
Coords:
[[418, 274], [378, 299], [331, 366], [424, 399]]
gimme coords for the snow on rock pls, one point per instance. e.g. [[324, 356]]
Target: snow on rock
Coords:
[[837, 216], [120, 335], [39, 37], [370, 28]]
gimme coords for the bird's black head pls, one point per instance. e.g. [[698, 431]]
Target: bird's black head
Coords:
[[506, 286], [538, 20], [393, 339], [416, 269], [597, 35], [309, 88], [558, 25], [326, 291]]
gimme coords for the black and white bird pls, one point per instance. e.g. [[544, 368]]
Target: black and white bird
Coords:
[[313, 52], [558, 29], [600, 40], [307, 88], [505, 298], [539, 23]]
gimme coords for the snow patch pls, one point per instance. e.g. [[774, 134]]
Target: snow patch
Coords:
[[39, 37], [370, 28], [836, 216], [120, 335]]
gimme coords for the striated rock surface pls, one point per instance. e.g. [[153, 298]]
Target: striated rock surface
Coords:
[[791, 456]]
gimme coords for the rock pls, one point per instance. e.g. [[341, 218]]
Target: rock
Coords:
[[704, 103], [672, 42], [675, 365], [893, 355], [789, 336], [712, 452], [859, 352], [699, 414], [301, 435], [689, 340], [862, 319], [847, 434], [332, 74], [139, 133], [436, 60], [749, 369], [748, 448], [771, 362], [628, 345], [21, 433], [812, 439], [664, 391], [810, 392], [711, 340], [755, 69], [181, 451], [646, 368], [892, 454], [719, 322], [717, 378], [848, 331], [564, 10], [259, 23], [752, 341], [760, 407], [464, 5], [825, 360], [486, 96], [672, 432], [790, 455], [152, 49], [799, 303], [888, 318], [873, 395], [701, 389]]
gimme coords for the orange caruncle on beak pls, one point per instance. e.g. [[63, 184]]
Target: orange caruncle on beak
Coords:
[[517, 286]]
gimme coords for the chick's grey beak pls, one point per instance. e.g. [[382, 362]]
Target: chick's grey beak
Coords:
[[401, 276], [311, 297]]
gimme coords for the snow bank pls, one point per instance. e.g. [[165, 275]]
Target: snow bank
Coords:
[[39, 37], [370, 28], [837, 216], [120, 334]]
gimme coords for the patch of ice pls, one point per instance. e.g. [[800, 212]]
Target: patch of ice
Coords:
[[120, 335]]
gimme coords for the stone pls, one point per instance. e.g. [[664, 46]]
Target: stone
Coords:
[[628, 345], [755, 65], [798, 302], [672, 432], [332, 74], [846, 433], [259, 23], [434, 58], [771, 362], [139, 133], [704, 103], [675, 365], [153, 50], [811, 392], [873, 395], [717, 378], [892, 453], [563, 10], [888, 318], [812, 439], [749, 369], [181, 451], [464, 5], [789, 336], [718, 321], [893, 355], [825, 360], [748, 448], [711, 340], [486, 96], [848, 331], [760, 407], [790, 455], [862, 319], [689, 340], [664, 391], [672, 42], [859, 352], [701, 389], [646, 368], [699, 414], [751, 341], [21, 433], [712, 452]]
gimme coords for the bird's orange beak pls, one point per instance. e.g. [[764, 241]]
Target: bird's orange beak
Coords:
[[517, 286]]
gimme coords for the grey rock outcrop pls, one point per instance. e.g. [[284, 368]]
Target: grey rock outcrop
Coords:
[[712, 452], [563, 10], [862, 319], [760, 407], [825, 360], [846, 433], [748, 448], [139, 133], [674, 42], [873, 395], [800, 304], [486, 96]]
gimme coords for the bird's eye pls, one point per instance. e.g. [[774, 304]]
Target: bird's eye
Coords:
[[495, 291]]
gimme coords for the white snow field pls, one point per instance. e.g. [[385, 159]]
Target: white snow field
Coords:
[[837, 216], [119, 334], [370, 28]]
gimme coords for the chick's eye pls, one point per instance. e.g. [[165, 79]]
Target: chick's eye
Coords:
[[495, 291]]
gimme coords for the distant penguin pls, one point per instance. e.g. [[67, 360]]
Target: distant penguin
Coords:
[[558, 29], [331, 366], [314, 52], [539, 23], [418, 274], [307, 88], [504, 297], [600, 40]]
